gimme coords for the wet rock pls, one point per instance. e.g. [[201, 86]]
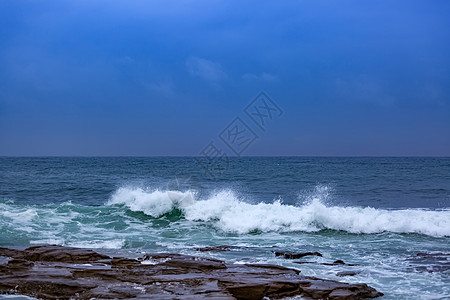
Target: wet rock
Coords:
[[338, 262], [247, 291], [347, 273], [184, 261], [120, 262], [10, 252], [215, 248], [335, 263], [54, 272], [433, 255], [337, 294], [275, 268], [293, 255], [62, 254], [19, 263], [328, 289]]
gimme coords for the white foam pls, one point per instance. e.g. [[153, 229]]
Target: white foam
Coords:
[[16, 297], [229, 213], [155, 203], [110, 244], [47, 241], [155, 261], [20, 216]]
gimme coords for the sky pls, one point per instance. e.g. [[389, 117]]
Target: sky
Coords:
[[157, 78]]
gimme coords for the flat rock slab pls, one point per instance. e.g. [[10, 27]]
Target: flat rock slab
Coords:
[[56, 272]]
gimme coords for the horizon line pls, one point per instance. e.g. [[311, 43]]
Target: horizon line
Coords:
[[231, 156]]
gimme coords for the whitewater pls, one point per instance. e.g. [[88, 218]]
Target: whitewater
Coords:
[[229, 213]]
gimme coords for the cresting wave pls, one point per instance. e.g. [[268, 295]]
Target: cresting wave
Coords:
[[229, 213]]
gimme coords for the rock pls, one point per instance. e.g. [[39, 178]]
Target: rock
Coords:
[[338, 262], [335, 263], [328, 289], [337, 294], [55, 272], [248, 291], [292, 255], [184, 261], [120, 262], [10, 252], [273, 267], [215, 248], [347, 273], [62, 254], [438, 254], [19, 263]]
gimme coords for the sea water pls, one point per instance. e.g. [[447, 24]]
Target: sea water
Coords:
[[374, 213]]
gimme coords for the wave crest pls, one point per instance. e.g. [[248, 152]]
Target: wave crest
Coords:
[[227, 212], [155, 203]]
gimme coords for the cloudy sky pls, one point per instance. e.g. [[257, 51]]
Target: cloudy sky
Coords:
[[167, 77]]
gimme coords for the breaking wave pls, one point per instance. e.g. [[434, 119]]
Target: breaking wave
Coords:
[[227, 212]]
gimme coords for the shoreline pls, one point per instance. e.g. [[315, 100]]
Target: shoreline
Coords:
[[58, 272]]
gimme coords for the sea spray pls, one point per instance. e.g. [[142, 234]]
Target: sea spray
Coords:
[[227, 212], [154, 203]]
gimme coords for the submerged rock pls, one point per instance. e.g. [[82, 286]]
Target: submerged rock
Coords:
[[338, 262], [215, 248], [347, 273], [293, 255], [430, 262], [438, 255], [55, 272], [335, 263]]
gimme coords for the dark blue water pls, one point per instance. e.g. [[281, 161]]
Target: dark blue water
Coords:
[[376, 182], [375, 212]]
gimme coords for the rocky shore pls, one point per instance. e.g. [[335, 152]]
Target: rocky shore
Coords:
[[56, 272]]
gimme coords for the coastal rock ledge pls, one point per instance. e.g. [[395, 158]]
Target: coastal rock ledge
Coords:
[[56, 272]]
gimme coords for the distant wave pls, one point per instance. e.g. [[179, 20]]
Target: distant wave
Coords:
[[227, 212]]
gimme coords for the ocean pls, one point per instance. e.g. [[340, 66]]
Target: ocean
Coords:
[[387, 218]]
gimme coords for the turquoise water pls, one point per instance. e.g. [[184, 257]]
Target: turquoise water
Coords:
[[377, 213]]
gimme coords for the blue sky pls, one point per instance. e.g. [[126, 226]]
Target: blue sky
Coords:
[[165, 78]]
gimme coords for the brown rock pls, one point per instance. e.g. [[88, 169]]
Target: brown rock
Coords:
[[248, 291], [121, 262], [54, 272], [62, 254], [11, 252]]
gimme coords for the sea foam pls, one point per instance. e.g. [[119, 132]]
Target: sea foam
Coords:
[[227, 212], [154, 203]]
